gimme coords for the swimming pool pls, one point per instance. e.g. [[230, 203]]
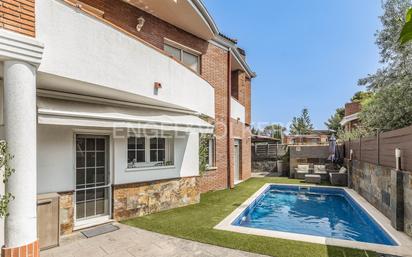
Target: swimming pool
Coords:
[[315, 211]]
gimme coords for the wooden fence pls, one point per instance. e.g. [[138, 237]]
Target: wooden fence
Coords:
[[380, 149], [265, 151]]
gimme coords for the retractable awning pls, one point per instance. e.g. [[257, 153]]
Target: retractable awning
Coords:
[[72, 113]]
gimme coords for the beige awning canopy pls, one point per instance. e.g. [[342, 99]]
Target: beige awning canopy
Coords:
[[70, 113]]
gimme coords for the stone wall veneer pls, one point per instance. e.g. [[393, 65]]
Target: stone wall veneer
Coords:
[[374, 183], [66, 213], [135, 200]]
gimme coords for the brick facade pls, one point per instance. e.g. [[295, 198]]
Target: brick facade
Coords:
[[29, 250], [18, 16], [214, 69], [243, 133]]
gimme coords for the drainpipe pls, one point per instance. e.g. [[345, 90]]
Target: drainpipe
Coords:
[[229, 98]]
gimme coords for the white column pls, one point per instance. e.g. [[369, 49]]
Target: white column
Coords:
[[20, 133]]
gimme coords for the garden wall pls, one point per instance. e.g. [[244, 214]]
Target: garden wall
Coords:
[[377, 185]]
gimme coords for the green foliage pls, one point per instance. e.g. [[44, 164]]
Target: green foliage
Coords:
[[354, 134], [301, 125], [274, 131], [333, 122], [361, 96], [204, 152], [406, 33], [390, 108], [5, 158]]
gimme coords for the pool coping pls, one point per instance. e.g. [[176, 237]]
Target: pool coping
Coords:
[[404, 242]]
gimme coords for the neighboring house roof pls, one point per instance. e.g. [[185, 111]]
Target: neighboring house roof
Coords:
[[349, 118], [259, 138]]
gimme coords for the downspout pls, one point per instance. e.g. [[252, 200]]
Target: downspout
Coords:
[[229, 97]]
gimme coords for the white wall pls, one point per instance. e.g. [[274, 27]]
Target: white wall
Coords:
[[80, 47], [56, 159], [237, 110]]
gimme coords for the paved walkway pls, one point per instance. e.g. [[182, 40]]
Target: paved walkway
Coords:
[[134, 242]]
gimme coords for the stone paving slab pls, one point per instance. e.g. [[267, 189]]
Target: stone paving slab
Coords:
[[133, 242]]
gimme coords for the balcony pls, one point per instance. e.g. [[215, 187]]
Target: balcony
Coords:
[[85, 55]]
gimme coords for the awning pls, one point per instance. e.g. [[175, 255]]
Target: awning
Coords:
[[349, 118], [72, 113]]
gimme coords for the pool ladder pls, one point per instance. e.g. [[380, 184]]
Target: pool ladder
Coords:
[[304, 189]]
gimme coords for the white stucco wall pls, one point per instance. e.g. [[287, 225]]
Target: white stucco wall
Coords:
[[80, 47], [56, 159], [237, 110]]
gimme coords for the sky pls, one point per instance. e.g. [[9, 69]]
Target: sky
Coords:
[[306, 53]]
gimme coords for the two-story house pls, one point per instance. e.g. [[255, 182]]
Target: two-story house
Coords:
[[104, 102]]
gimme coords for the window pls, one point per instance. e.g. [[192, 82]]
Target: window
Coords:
[[187, 57], [136, 150], [157, 149], [211, 152], [149, 152]]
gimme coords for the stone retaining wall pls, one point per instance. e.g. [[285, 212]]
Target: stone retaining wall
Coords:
[[134, 200], [374, 183]]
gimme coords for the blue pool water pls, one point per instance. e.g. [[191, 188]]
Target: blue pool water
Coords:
[[326, 212]]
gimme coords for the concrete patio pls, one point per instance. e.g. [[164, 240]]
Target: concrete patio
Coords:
[[134, 242]]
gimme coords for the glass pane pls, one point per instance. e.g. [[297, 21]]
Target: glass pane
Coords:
[[90, 208], [80, 144], [161, 155], [80, 213], [140, 143], [100, 175], [100, 159], [90, 176], [80, 196], [90, 159], [141, 156], [131, 156], [100, 144], [80, 176], [90, 144], [80, 159], [100, 206], [161, 143], [153, 143], [90, 194], [175, 52], [153, 155], [131, 143], [192, 61]]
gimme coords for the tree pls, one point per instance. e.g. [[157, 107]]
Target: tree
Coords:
[[396, 58], [333, 122], [361, 96], [274, 131], [301, 125], [389, 107]]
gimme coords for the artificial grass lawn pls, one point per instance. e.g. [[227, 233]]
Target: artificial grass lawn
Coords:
[[196, 223]]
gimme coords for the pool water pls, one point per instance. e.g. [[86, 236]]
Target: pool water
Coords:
[[317, 211]]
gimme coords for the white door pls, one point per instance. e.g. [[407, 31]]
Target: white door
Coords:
[[237, 160], [92, 194]]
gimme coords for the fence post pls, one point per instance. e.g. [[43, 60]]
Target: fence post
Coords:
[[378, 147], [360, 148]]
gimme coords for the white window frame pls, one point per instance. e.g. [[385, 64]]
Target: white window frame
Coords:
[[169, 152], [183, 49], [211, 153]]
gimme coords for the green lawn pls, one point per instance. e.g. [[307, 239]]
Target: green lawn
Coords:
[[196, 223]]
